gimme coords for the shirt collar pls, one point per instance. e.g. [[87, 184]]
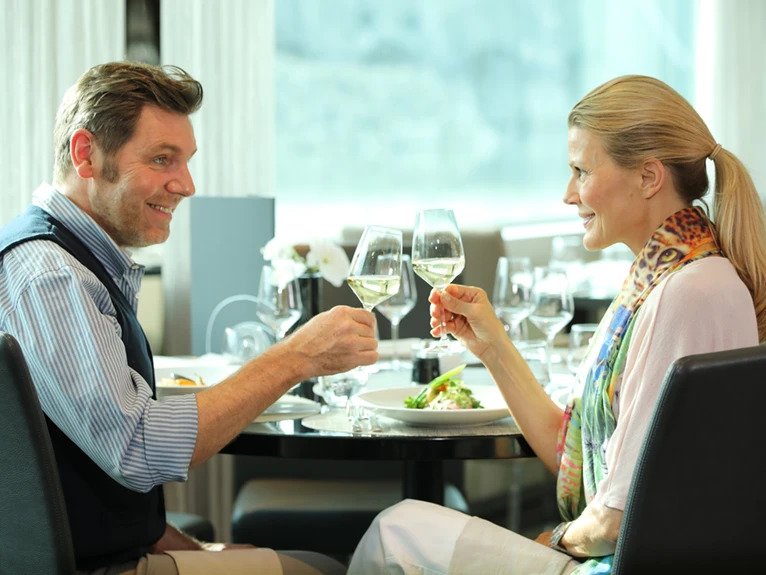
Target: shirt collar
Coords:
[[115, 259]]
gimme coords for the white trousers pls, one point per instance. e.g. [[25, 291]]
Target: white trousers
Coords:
[[414, 537]]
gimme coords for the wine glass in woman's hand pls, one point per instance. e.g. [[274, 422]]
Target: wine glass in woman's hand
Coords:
[[437, 255]]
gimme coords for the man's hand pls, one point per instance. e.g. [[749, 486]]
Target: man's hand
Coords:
[[175, 540], [336, 341], [332, 342]]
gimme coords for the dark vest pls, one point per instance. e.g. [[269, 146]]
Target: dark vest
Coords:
[[110, 523]]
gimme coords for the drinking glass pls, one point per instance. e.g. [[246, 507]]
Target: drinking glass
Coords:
[[567, 253], [437, 255], [400, 304], [376, 267], [552, 306], [580, 335], [279, 300], [512, 293]]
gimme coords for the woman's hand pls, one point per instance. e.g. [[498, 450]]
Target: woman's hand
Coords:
[[468, 315]]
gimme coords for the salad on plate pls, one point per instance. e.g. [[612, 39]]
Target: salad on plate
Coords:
[[445, 392]]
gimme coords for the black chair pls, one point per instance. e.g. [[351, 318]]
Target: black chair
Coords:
[[324, 515], [698, 495], [34, 531]]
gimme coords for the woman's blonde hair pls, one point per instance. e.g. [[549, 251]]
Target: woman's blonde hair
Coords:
[[637, 118]]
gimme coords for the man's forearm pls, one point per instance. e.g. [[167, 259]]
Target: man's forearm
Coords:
[[228, 407]]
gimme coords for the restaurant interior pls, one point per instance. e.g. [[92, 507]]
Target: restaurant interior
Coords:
[[323, 118]]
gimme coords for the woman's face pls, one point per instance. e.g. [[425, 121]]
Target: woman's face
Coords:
[[607, 196]]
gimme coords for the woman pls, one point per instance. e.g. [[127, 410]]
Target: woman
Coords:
[[638, 154]]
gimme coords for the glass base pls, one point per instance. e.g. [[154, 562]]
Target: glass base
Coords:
[[443, 347]]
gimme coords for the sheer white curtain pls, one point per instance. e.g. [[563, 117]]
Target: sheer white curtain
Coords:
[[48, 44], [229, 47], [732, 88]]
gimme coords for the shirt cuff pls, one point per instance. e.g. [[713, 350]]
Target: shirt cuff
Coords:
[[170, 437]]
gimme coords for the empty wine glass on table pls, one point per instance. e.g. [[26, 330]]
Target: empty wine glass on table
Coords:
[[399, 305], [279, 301], [437, 255], [552, 307], [512, 293]]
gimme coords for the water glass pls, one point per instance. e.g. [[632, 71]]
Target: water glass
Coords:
[[279, 301], [337, 389], [399, 305], [552, 305], [512, 292], [534, 353], [580, 336]]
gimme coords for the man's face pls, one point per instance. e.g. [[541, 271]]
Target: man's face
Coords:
[[134, 193]]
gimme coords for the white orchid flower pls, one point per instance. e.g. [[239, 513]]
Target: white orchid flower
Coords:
[[286, 271], [276, 250], [285, 261], [329, 259]]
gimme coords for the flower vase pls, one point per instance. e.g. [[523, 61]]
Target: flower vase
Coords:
[[311, 295]]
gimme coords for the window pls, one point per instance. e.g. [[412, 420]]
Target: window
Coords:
[[387, 107]]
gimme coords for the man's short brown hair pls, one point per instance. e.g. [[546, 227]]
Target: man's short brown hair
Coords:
[[107, 101]]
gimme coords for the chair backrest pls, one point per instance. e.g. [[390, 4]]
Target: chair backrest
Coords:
[[34, 530], [698, 494]]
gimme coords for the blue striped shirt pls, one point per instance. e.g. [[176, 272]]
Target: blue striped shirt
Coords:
[[65, 322]]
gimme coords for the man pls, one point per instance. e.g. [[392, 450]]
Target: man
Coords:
[[68, 293]]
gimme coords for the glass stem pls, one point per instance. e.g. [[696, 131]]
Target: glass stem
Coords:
[[549, 356], [443, 334], [394, 339]]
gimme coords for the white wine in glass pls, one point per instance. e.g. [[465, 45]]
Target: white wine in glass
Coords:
[[373, 289], [437, 254], [376, 267]]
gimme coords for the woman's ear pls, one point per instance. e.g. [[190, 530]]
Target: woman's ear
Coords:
[[654, 174], [81, 147]]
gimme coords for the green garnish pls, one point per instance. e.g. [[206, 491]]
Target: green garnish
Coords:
[[444, 392]]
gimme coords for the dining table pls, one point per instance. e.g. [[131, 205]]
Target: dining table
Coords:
[[328, 433]]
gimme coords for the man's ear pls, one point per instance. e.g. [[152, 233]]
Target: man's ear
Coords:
[[653, 176], [81, 149]]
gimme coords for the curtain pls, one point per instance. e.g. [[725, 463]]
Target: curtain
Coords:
[[733, 78], [47, 45], [229, 47]]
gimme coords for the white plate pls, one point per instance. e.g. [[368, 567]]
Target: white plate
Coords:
[[390, 403], [289, 407], [210, 374]]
